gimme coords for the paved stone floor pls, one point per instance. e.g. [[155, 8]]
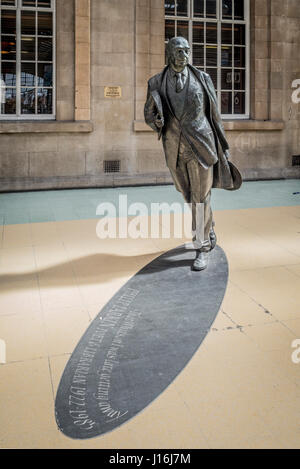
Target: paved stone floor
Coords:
[[240, 390]]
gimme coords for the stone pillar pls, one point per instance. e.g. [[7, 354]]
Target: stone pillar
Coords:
[[149, 47], [82, 61], [260, 59], [65, 60], [277, 39]]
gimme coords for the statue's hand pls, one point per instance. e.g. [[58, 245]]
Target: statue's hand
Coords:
[[159, 121]]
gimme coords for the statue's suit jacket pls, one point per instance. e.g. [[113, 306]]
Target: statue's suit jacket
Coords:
[[190, 125]]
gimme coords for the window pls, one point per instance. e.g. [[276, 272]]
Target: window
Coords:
[[218, 33], [27, 64]]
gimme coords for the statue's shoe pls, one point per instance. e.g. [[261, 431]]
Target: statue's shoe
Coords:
[[201, 262], [213, 239]]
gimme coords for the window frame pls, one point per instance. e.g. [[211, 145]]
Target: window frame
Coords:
[[29, 117], [219, 20]]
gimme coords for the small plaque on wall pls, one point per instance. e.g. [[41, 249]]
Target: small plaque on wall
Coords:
[[112, 92]]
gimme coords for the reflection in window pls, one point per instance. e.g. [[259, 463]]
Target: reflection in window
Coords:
[[226, 33], [37, 3], [198, 56], [226, 103], [28, 22], [226, 56], [8, 22], [227, 9], [170, 7], [183, 29], [211, 33], [8, 74], [27, 100], [27, 87], [28, 74], [217, 32], [45, 75], [44, 103], [212, 56], [8, 47], [239, 103], [169, 29], [239, 10], [45, 50], [45, 22], [198, 33], [199, 8], [28, 48], [29, 3], [211, 8], [8, 100]]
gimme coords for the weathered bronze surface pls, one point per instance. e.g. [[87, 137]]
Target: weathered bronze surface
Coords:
[[182, 108]]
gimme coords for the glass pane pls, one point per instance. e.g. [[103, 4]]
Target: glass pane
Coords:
[[28, 75], [239, 34], [28, 48], [239, 56], [8, 47], [198, 56], [45, 49], [198, 32], [183, 29], [227, 9], [226, 56], [239, 9], [44, 3], [170, 7], [226, 79], [27, 100], [28, 22], [213, 72], [226, 33], [239, 80], [8, 74], [28, 3], [212, 55], [44, 74], [45, 24], [226, 103], [211, 33], [8, 2], [169, 29], [239, 103], [199, 8], [8, 100], [182, 8], [44, 101], [8, 22], [211, 8]]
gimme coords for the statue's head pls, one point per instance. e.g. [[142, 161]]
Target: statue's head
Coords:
[[178, 51]]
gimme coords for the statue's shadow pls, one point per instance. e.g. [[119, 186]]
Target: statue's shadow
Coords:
[[104, 267]]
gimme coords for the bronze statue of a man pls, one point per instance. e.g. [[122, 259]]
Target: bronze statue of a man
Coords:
[[182, 107]]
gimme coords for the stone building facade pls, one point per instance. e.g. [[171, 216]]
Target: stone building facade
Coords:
[[105, 52]]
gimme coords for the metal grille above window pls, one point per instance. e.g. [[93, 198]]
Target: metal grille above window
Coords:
[[113, 166]]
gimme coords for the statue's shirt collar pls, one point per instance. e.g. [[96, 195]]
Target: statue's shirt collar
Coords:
[[173, 74]]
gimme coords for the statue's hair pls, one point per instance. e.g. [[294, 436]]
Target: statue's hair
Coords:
[[172, 42]]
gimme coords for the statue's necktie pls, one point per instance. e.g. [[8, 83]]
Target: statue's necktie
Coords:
[[179, 82]]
